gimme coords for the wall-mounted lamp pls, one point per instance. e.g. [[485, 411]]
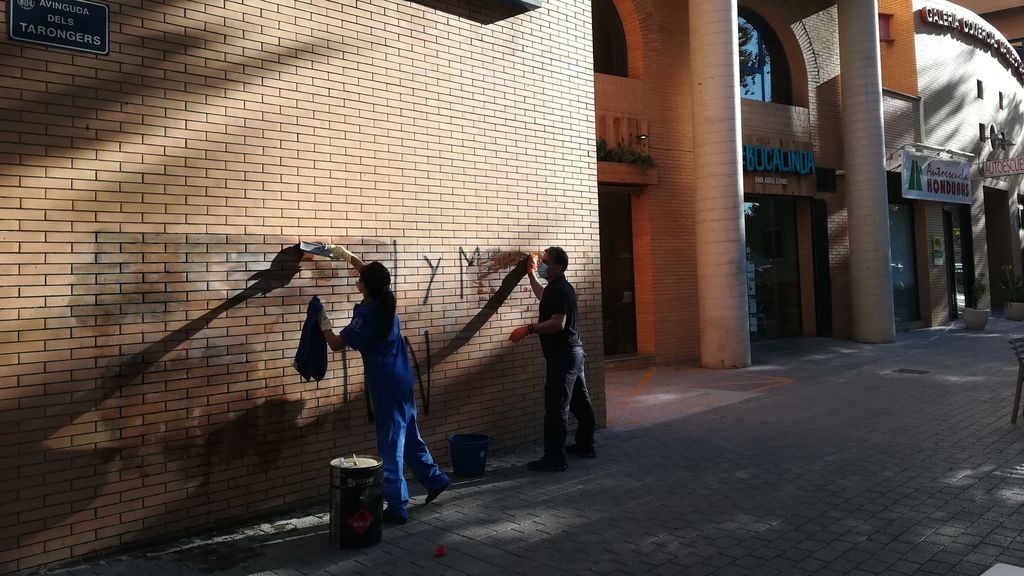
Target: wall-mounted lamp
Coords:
[[641, 137], [996, 138]]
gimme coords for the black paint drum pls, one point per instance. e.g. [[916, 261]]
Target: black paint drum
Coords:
[[357, 501]]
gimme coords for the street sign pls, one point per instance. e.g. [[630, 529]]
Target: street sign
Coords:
[[1004, 167], [73, 24]]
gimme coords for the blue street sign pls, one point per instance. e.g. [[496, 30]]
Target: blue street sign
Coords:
[[73, 24]]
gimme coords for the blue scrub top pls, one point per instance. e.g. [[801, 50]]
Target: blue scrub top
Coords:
[[385, 361]]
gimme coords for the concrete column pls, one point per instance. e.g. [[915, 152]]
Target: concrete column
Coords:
[[721, 245], [864, 150]]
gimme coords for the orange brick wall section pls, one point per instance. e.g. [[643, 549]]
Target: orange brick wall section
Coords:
[[899, 59], [152, 297]]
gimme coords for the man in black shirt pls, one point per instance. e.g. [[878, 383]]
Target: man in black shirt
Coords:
[[565, 388]]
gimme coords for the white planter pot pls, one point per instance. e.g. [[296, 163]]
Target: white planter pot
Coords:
[[975, 319], [1015, 311]]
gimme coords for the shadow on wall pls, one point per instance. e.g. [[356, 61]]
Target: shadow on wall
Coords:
[[208, 464], [280, 273], [479, 11], [227, 463]]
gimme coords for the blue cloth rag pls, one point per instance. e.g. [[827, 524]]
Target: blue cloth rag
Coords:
[[311, 357]]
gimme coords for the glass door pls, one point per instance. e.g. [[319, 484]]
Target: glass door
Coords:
[[903, 261], [616, 226], [773, 275], [957, 254]]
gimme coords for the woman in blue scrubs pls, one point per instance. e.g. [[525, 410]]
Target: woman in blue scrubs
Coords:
[[374, 332]]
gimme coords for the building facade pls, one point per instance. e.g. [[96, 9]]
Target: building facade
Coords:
[[954, 103], [154, 194], [152, 199], [830, 243], [764, 213]]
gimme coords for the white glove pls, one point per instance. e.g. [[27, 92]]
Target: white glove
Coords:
[[325, 322], [339, 252]]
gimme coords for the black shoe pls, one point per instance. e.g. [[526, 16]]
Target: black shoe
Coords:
[[575, 450], [543, 465], [432, 494], [390, 517]]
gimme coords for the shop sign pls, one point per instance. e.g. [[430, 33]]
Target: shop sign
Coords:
[[968, 29], [930, 178], [72, 24], [1004, 167], [757, 158]]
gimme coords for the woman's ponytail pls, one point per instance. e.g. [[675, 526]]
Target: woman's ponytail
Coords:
[[377, 281], [386, 312]]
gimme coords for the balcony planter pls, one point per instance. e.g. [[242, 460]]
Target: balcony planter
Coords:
[[975, 318], [622, 173]]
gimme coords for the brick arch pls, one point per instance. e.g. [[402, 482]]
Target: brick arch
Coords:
[[632, 18], [803, 37]]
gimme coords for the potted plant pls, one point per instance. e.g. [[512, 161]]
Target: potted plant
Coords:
[[976, 288], [1013, 286]]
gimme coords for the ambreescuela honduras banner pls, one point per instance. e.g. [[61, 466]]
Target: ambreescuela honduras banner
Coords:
[[930, 178]]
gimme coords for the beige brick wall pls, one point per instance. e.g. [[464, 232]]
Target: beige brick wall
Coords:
[[150, 305]]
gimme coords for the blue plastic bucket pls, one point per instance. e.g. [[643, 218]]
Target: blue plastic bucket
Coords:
[[469, 453]]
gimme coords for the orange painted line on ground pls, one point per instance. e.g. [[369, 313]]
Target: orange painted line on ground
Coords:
[[643, 382], [781, 382]]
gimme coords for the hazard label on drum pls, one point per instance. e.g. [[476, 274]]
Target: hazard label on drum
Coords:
[[361, 521]]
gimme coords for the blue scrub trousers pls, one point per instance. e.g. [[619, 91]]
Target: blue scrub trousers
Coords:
[[399, 442]]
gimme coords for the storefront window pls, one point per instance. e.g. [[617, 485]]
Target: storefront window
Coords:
[[610, 54], [764, 73]]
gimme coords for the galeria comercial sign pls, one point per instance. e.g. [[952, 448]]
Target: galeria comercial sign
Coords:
[[929, 178], [965, 28]]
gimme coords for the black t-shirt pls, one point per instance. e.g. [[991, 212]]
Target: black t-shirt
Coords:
[[560, 298]]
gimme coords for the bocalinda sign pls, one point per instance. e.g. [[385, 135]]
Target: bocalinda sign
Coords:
[[940, 180]]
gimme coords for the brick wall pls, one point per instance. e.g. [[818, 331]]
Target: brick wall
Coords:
[[152, 295]]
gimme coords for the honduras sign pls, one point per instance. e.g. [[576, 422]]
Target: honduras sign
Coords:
[[930, 178], [73, 24]]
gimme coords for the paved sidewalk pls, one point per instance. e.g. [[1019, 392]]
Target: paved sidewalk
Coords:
[[827, 457]]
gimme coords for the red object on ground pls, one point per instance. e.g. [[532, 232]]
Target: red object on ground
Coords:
[[440, 551]]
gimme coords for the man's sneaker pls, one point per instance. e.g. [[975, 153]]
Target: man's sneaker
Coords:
[[390, 517], [575, 450], [543, 465], [432, 494]]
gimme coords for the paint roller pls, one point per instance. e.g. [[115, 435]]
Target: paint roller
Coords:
[[329, 251]]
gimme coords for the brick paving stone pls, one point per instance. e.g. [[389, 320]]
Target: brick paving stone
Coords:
[[851, 469]]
